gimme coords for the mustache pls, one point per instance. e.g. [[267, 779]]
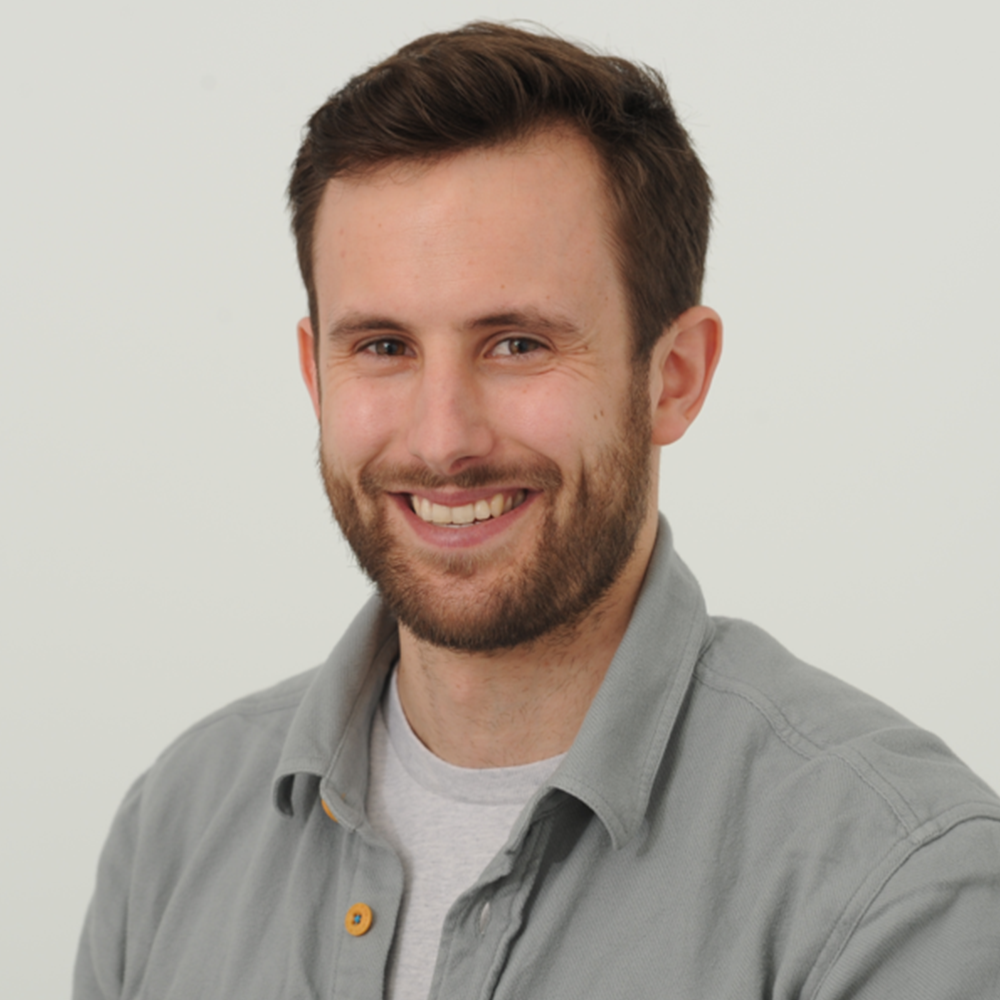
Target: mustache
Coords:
[[543, 475]]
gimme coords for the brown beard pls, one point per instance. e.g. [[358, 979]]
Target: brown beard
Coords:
[[572, 568]]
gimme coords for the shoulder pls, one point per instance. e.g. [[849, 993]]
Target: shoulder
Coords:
[[836, 734], [262, 717], [858, 826], [815, 773], [223, 757]]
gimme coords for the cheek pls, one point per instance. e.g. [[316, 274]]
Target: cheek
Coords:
[[553, 420], [357, 424]]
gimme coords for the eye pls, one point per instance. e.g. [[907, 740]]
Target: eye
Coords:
[[512, 346], [387, 347]]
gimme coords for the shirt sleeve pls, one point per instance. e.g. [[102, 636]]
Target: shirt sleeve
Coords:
[[100, 962], [933, 932]]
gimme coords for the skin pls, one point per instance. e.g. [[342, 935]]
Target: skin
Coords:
[[470, 314]]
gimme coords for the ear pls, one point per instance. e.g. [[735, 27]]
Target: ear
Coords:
[[681, 368], [307, 362]]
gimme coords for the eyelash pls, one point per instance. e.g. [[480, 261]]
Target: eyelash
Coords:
[[534, 345], [372, 347]]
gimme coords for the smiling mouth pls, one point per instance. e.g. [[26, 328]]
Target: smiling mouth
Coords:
[[470, 513]]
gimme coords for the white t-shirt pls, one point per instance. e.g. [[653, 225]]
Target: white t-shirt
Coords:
[[446, 823]]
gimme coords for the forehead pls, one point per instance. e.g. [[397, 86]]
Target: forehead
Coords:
[[526, 220], [557, 157]]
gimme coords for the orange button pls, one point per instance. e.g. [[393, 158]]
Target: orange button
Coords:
[[328, 810], [358, 919]]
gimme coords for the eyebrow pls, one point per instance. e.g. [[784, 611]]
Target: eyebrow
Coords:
[[354, 323], [529, 319]]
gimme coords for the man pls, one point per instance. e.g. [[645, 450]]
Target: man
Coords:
[[534, 766]]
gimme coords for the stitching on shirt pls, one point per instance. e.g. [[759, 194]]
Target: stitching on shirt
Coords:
[[243, 709], [700, 642], [253, 705], [844, 757], [771, 710], [701, 634], [914, 821], [848, 931], [929, 832]]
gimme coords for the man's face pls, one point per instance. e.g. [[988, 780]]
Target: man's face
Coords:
[[485, 437]]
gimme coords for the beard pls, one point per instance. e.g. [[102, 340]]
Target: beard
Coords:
[[575, 561]]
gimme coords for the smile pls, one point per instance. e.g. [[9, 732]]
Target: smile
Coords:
[[470, 513]]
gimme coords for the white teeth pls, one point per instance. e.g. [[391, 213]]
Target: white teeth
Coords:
[[463, 515], [481, 510]]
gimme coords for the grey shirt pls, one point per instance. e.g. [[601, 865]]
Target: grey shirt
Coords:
[[729, 824]]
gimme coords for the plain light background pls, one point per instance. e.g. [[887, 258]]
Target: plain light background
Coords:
[[164, 543]]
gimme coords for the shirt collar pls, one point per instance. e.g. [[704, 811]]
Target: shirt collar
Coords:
[[616, 754], [621, 744], [328, 737]]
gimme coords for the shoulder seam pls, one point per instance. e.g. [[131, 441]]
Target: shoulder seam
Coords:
[[769, 711], [935, 829], [246, 708]]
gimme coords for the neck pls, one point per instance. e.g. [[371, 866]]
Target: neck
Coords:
[[519, 705]]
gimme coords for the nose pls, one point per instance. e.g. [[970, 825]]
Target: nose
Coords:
[[450, 427]]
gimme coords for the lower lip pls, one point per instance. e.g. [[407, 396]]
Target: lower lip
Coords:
[[444, 536]]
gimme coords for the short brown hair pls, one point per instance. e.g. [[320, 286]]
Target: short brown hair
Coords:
[[488, 84]]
